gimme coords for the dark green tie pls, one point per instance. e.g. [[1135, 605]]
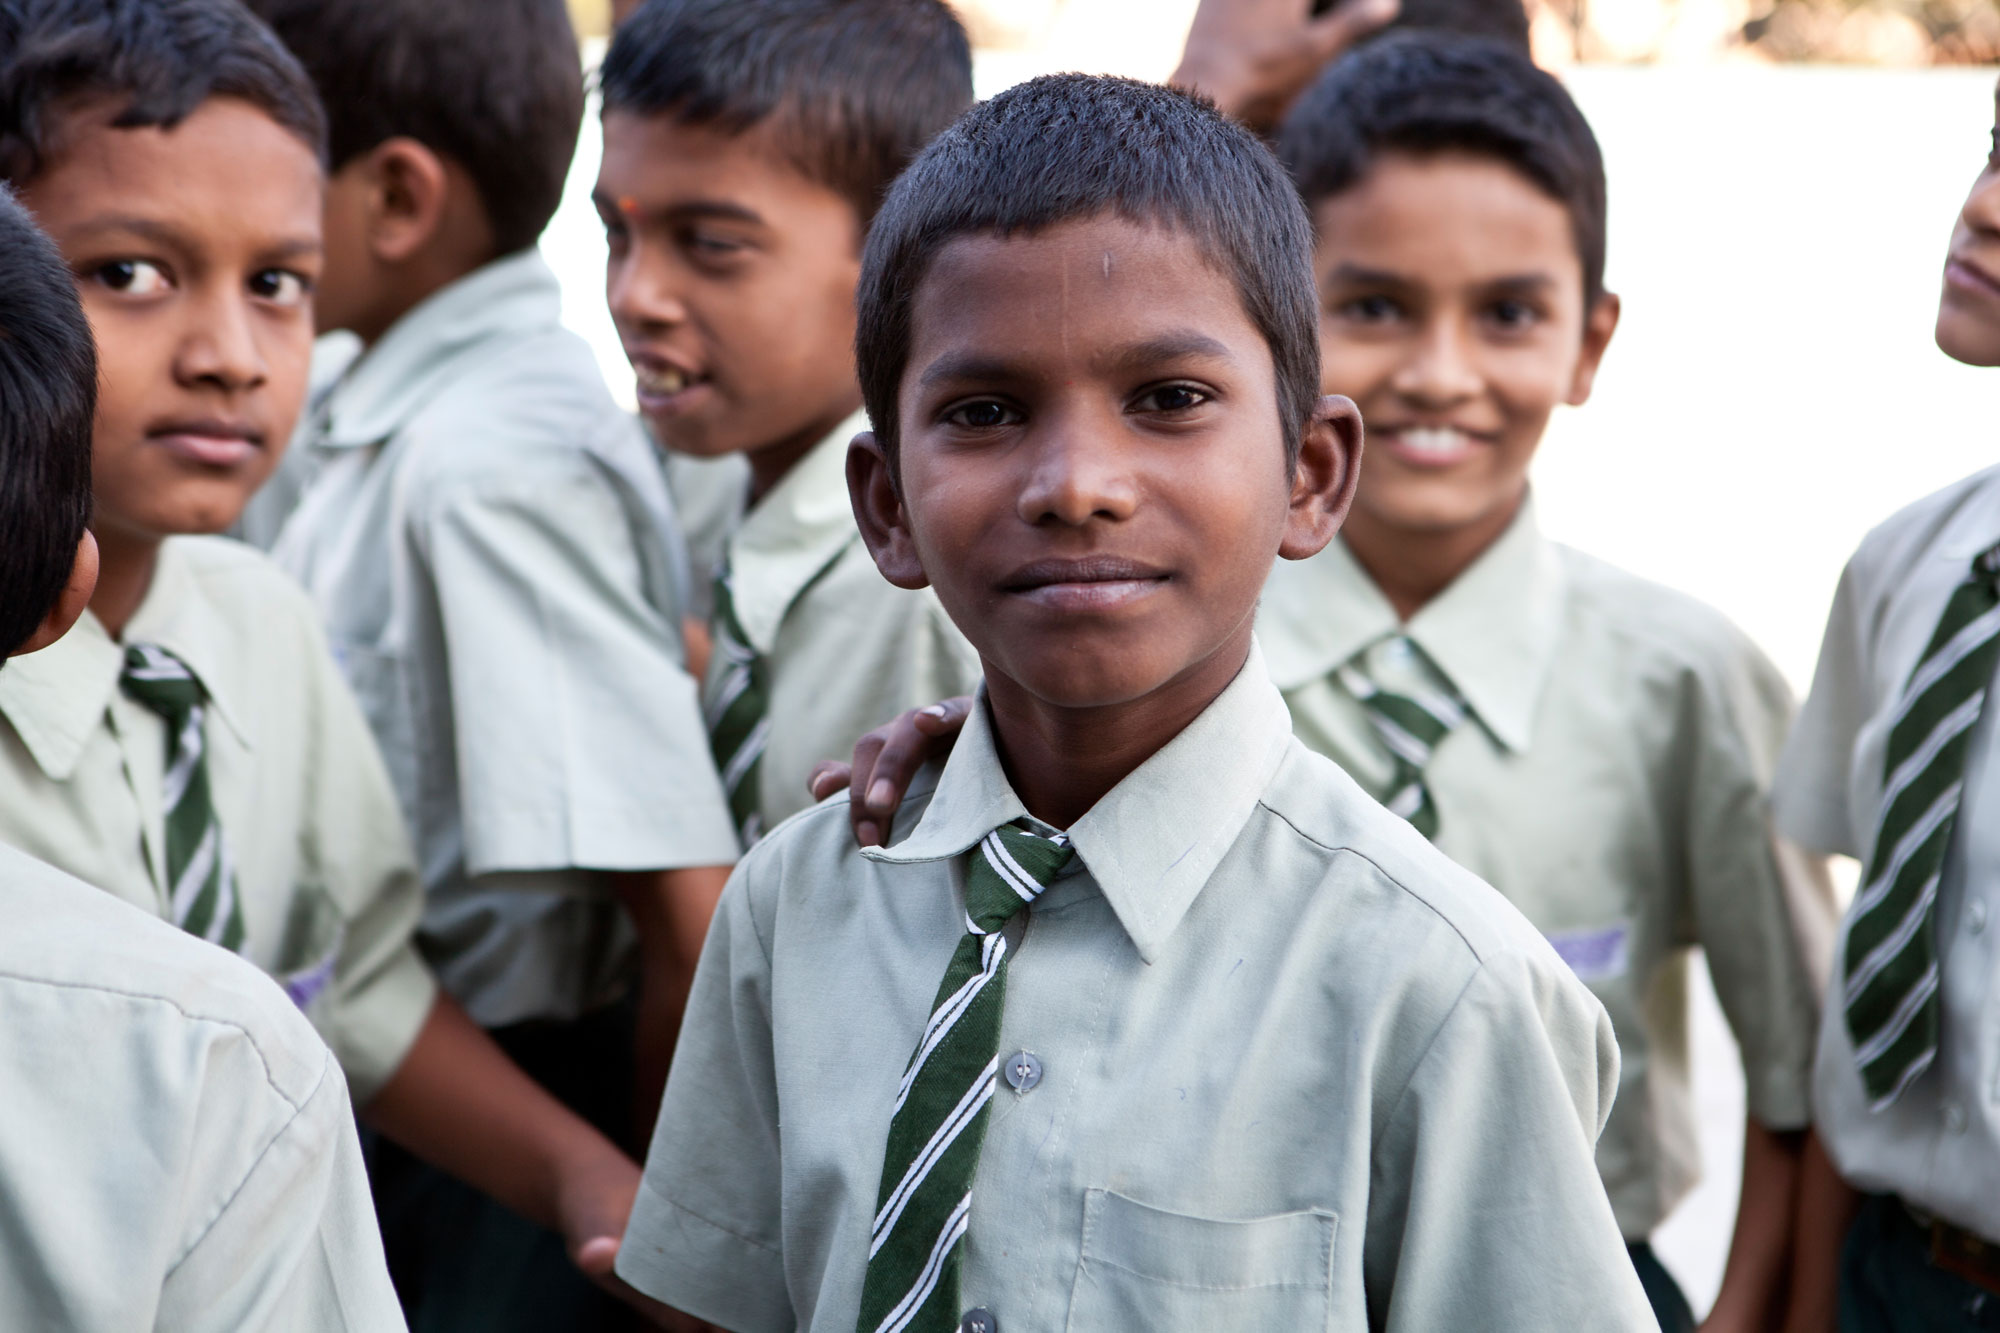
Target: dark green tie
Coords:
[[916, 1248], [737, 710], [201, 879], [1890, 967], [1410, 726]]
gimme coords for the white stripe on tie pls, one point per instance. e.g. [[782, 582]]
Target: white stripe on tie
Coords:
[[1940, 810], [748, 753], [225, 893], [726, 693], [195, 874], [174, 785], [906, 1309], [1020, 881], [1907, 1010], [941, 1140], [949, 1012], [1954, 651], [1952, 723], [1893, 943], [1407, 747]]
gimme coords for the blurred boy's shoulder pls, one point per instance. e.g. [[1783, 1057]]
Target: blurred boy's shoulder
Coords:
[[1954, 522]]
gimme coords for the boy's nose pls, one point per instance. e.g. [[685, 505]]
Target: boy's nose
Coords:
[[1440, 370], [221, 346], [1077, 473], [640, 292], [1981, 212]]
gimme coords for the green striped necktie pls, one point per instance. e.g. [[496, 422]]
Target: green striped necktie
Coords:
[[737, 711], [201, 878], [1410, 726], [916, 1248], [1890, 968]]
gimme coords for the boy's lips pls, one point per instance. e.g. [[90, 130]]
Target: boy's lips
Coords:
[[1092, 583], [1428, 446], [1964, 274], [210, 443], [665, 387]]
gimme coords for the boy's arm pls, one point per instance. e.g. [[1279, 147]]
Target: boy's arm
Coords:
[[886, 761], [1254, 57], [1825, 1210], [1753, 1282], [1485, 1206], [670, 909]]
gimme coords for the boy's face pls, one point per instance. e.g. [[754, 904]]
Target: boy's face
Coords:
[[1968, 319], [731, 279], [1092, 463], [195, 251], [1451, 310]]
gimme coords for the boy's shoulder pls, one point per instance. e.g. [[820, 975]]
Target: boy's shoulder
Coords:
[[1957, 522]]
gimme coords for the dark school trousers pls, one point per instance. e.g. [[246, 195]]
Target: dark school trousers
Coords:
[[1889, 1285], [1670, 1307], [464, 1264]]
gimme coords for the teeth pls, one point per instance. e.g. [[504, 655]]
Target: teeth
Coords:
[[1439, 440], [666, 380]]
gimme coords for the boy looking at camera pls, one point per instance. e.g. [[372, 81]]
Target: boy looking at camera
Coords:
[[1219, 1042]]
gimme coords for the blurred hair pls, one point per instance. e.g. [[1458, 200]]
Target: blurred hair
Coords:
[[1426, 93], [48, 395], [1068, 147], [154, 61], [494, 85], [1502, 20], [852, 89]]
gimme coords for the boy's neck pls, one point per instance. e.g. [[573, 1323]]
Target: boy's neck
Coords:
[[1412, 568], [1062, 761], [770, 463], [126, 563]]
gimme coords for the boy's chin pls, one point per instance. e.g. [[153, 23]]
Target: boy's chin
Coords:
[[1963, 338]]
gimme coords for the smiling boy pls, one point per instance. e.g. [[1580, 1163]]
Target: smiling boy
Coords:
[[1269, 1060], [747, 144]]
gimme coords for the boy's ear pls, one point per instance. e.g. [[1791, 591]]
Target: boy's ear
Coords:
[[878, 509], [1323, 482], [1598, 326], [74, 597], [407, 195]]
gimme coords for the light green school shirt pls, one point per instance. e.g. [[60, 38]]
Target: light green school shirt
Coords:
[[1299, 1070], [489, 541], [177, 1151], [1613, 782], [323, 867], [846, 650], [1938, 1144]]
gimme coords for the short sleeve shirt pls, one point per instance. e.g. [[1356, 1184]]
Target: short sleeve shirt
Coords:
[[1612, 781], [1938, 1144], [1298, 1070], [323, 866], [845, 649], [177, 1150], [490, 543]]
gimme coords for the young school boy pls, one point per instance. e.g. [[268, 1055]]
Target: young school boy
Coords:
[[1894, 761], [1595, 746], [177, 1149], [747, 144], [1269, 1059], [490, 544], [190, 746]]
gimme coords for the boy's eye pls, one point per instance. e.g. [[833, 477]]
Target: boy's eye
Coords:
[[984, 415], [1171, 398], [280, 287], [1370, 309], [134, 277], [710, 245], [1513, 316]]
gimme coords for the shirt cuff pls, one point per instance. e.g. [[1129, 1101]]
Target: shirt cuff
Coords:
[[375, 1027], [699, 1268]]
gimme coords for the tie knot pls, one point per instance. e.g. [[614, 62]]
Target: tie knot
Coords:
[[161, 681], [1009, 869]]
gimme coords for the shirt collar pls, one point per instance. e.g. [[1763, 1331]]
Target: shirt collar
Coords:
[[1155, 839], [793, 533], [393, 380], [1493, 632], [56, 699]]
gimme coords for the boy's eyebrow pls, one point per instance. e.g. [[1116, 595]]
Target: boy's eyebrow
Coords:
[[1176, 345], [166, 234], [1359, 276], [685, 208]]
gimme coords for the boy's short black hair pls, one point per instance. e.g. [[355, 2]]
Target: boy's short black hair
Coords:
[[494, 85], [1501, 20], [155, 60], [1428, 92], [852, 88], [48, 395], [1068, 147]]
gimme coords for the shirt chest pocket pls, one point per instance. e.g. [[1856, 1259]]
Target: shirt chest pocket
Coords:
[[1144, 1267]]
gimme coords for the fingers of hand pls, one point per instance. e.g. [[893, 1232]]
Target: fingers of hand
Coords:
[[828, 777]]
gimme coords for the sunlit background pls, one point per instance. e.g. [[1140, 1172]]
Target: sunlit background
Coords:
[[1783, 181]]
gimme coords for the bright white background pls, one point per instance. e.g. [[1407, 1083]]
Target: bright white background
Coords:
[[1777, 235]]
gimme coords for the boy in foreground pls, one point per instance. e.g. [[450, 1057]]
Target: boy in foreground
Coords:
[[747, 144], [176, 1150], [1219, 1042], [1896, 761], [190, 746]]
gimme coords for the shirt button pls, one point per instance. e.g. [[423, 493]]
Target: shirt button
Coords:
[[1022, 1071], [1954, 1117], [1975, 917], [978, 1321]]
